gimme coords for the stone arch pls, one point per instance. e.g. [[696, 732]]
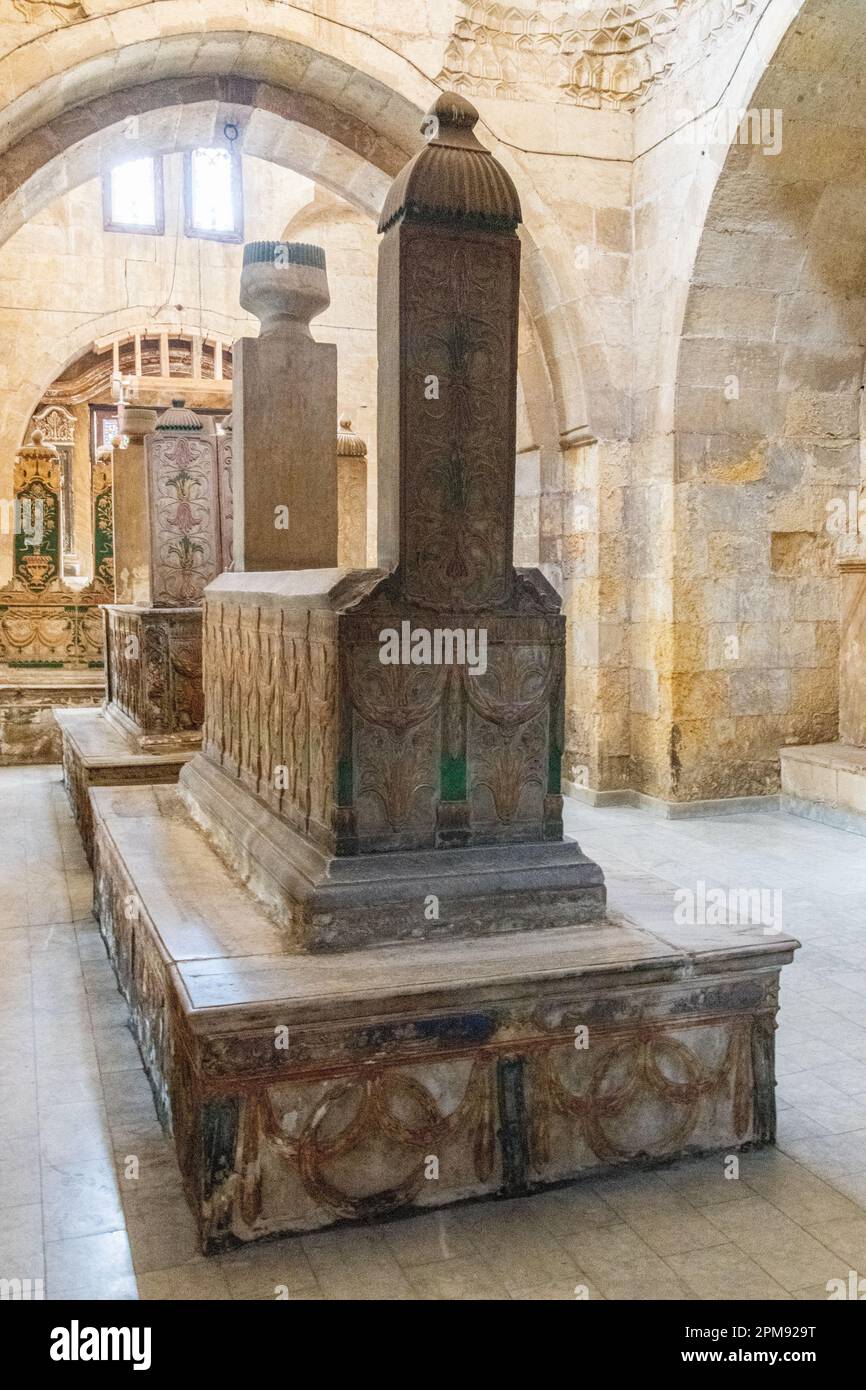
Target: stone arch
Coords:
[[327, 77], [299, 130], [332, 102], [768, 385]]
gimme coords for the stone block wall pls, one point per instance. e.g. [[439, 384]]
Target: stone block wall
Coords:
[[685, 527]]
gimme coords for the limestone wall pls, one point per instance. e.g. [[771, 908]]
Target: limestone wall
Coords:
[[65, 282], [682, 524]]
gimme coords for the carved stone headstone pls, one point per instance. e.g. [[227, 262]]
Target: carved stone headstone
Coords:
[[129, 485], [351, 497], [284, 407], [184, 509]]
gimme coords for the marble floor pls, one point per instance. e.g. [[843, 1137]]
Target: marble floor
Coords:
[[90, 1199]]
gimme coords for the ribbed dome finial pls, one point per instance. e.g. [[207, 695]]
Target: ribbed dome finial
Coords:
[[454, 179], [178, 419], [349, 444]]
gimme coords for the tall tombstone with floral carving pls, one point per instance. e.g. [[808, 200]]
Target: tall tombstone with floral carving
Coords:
[[183, 506], [169, 548]]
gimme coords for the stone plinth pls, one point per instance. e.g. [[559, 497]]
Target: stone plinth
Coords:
[[302, 1090], [852, 654], [826, 782], [31, 706], [347, 792], [153, 682], [96, 754]]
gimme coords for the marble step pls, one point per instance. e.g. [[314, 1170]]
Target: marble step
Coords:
[[826, 782]]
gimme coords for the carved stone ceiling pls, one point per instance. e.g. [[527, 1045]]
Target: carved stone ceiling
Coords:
[[590, 55]]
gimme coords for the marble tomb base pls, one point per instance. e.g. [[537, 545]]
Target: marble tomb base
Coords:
[[96, 754], [307, 1089], [29, 731]]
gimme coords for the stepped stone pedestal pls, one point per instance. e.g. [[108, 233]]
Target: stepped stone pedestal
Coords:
[[827, 781], [367, 972], [96, 755], [307, 1089]]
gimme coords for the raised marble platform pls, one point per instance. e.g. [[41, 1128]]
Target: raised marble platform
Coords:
[[826, 782], [29, 732], [328, 902], [96, 754], [307, 1089]]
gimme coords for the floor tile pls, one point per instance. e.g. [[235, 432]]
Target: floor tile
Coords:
[[85, 1166]]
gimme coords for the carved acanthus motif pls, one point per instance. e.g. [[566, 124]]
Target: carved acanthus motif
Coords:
[[517, 686], [395, 772], [56, 423], [393, 697], [601, 54]]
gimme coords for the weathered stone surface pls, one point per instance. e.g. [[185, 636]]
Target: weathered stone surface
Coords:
[[185, 517], [95, 754], [852, 669], [351, 497], [132, 556], [365, 752], [29, 704], [153, 683], [285, 406], [307, 1089]]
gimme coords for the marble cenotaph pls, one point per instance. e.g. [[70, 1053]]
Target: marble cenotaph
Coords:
[[367, 972], [169, 542]]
